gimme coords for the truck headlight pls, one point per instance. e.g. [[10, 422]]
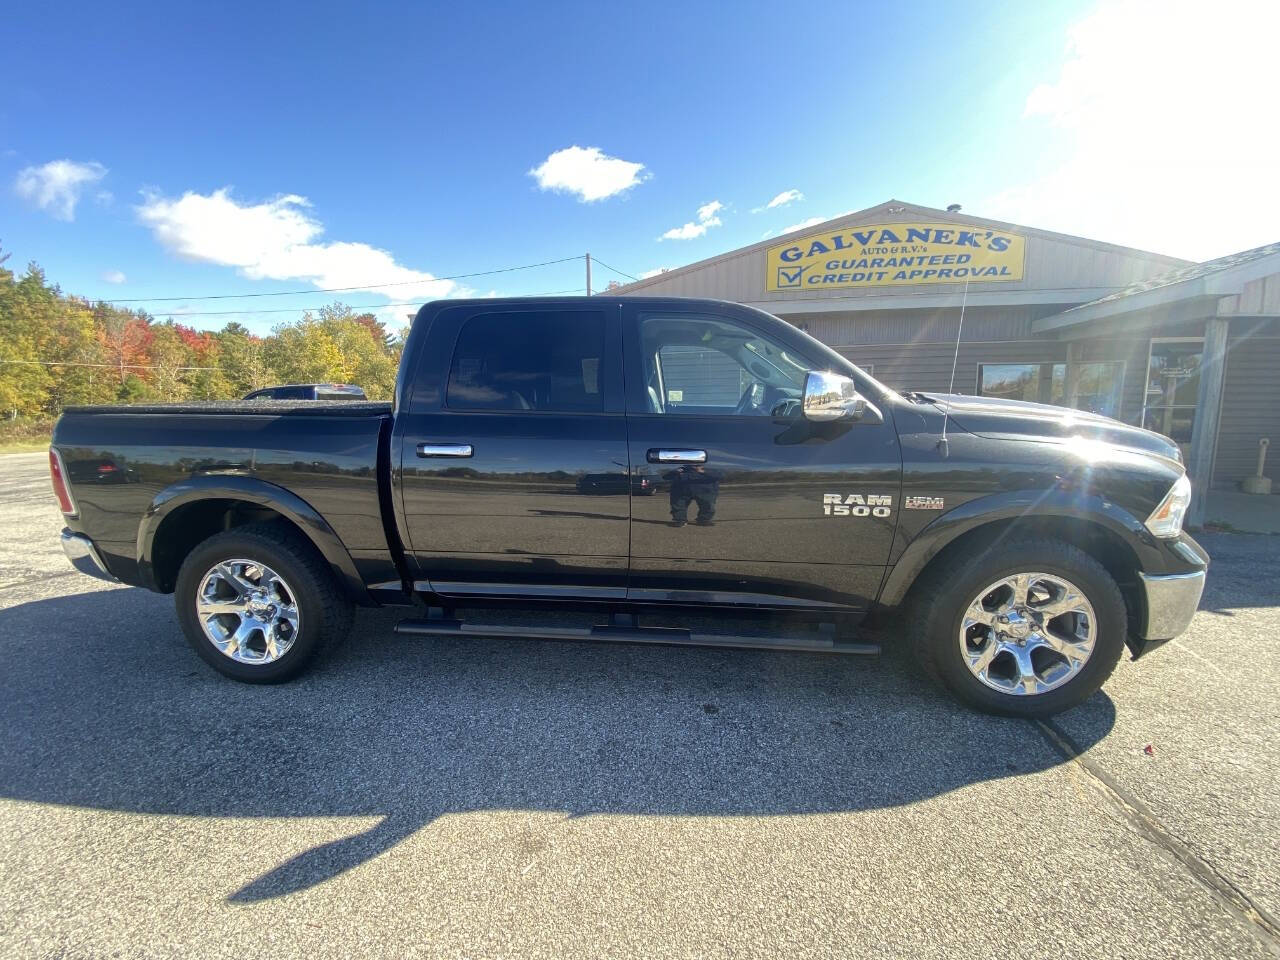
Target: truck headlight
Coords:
[[1166, 520]]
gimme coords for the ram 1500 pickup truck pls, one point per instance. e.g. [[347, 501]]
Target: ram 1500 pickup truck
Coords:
[[638, 457]]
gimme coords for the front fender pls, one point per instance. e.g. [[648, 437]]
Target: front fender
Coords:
[[255, 491], [1053, 504]]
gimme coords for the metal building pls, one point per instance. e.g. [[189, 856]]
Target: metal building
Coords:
[[1190, 350]]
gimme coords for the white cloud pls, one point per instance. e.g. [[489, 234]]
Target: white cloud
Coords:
[[707, 212], [56, 187], [784, 199], [802, 224], [653, 273], [279, 240], [588, 172], [695, 228], [812, 222], [394, 318], [113, 276], [1161, 108]]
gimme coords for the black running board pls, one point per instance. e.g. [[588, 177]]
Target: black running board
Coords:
[[823, 641]]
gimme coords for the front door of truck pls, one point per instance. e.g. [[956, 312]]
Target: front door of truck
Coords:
[[745, 500], [513, 456]]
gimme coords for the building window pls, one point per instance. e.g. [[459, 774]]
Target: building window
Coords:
[[1036, 382], [1097, 387], [1173, 386], [1097, 384]]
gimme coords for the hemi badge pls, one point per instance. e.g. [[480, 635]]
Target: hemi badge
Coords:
[[922, 503]]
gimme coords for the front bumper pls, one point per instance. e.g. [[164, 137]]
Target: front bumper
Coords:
[[84, 555], [1171, 602]]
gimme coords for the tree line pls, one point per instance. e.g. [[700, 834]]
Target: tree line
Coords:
[[57, 350]]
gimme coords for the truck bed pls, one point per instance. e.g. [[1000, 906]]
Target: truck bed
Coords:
[[124, 462]]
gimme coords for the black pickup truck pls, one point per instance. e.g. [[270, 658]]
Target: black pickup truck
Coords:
[[642, 457]]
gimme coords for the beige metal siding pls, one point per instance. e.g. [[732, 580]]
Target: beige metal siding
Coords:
[[1053, 262], [921, 327]]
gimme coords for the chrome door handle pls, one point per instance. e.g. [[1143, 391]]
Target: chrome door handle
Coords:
[[444, 450], [677, 456]]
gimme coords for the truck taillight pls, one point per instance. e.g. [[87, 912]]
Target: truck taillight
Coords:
[[58, 472]]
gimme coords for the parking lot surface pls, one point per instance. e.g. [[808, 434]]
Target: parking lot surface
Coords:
[[511, 798]]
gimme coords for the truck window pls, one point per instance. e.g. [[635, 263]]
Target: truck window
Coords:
[[706, 366], [544, 361]]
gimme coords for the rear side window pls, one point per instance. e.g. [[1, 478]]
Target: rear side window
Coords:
[[545, 361]]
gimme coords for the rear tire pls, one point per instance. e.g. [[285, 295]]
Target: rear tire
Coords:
[[258, 603], [985, 626]]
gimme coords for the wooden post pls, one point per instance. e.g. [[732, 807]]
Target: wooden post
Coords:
[[1204, 432]]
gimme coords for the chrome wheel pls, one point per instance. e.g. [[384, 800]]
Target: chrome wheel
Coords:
[[1028, 633], [247, 611]]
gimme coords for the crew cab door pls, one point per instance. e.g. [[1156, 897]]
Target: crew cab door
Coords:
[[748, 502], [513, 458]]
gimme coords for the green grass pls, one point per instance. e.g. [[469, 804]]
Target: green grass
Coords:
[[25, 434]]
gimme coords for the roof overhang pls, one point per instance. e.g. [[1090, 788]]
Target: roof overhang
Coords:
[[1197, 293]]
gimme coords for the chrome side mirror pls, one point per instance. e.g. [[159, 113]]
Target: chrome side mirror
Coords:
[[830, 396]]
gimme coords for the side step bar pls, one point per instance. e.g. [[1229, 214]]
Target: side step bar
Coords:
[[623, 629]]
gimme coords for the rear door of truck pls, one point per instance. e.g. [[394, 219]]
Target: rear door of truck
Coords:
[[513, 475]]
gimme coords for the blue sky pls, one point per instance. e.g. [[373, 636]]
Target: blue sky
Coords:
[[252, 148]]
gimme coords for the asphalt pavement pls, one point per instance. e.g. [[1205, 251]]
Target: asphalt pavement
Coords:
[[469, 798]]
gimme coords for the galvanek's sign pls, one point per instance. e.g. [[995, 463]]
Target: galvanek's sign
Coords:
[[890, 254]]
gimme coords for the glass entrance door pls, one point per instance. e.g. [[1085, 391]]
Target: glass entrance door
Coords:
[[1173, 385]]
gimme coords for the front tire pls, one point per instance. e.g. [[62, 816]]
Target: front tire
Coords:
[[257, 603], [1026, 628]]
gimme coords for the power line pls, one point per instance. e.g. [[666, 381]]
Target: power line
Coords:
[[367, 286], [179, 315], [216, 313], [155, 366], [614, 269], [107, 366], [369, 307]]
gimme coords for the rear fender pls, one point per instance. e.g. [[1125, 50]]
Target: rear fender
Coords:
[[259, 492]]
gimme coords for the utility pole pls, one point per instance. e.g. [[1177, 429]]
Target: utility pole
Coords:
[[588, 274]]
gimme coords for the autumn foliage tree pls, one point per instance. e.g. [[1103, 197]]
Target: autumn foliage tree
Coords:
[[335, 344], [57, 350]]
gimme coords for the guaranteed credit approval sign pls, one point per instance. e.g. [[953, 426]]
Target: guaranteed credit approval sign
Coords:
[[894, 254]]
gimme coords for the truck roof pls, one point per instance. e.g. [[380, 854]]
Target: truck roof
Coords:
[[595, 299]]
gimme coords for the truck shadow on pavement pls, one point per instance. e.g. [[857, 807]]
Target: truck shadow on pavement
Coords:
[[105, 707]]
